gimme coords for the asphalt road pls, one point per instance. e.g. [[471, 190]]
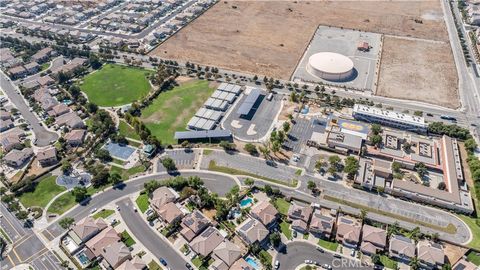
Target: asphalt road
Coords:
[[43, 136], [214, 182], [145, 234], [295, 253], [27, 247]]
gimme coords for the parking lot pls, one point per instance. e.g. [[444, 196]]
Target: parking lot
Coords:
[[343, 41], [258, 122], [184, 159]]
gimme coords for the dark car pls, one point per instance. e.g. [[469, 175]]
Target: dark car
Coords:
[[188, 266], [162, 260]]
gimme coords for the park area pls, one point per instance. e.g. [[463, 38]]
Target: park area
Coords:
[[171, 110], [45, 190], [115, 85], [251, 36]]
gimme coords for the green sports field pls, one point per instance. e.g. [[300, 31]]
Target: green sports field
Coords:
[[115, 85], [172, 110]]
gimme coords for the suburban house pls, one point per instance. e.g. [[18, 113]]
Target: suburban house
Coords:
[[47, 157], [322, 225], [101, 240], [32, 67], [300, 216], [401, 248], [241, 264], [348, 231], [225, 255], [134, 264], [115, 254], [193, 224], [6, 125], [462, 264], [207, 241], [71, 120], [58, 110], [252, 231], [266, 213], [430, 254], [75, 137], [17, 158], [170, 213], [17, 72], [9, 142], [88, 227], [162, 196], [42, 55], [373, 240]]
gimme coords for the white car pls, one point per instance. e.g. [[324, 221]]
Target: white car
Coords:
[[135, 209], [277, 264], [93, 210]]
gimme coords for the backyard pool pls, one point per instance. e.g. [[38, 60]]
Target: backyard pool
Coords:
[[246, 202], [82, 257], [252, 262]]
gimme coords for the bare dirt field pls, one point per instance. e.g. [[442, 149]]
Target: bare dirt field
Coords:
[[418, 70], [269, 37]]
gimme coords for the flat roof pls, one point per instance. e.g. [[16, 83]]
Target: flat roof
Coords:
[[390, 115], [249, 102], [203, 134]]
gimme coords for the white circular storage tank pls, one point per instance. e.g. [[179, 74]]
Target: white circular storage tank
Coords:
[[330, 66]]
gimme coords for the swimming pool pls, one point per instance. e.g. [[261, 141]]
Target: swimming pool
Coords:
[[83, 258], [252, 262], [246, 202]]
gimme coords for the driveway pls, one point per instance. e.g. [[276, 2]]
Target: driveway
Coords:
[[42, 135], [295, 253]]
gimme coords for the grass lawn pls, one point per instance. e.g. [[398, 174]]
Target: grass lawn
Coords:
[[104, 213], [118, 161], [44, 191], [115, 85], [154, 266], [197, 262], [127, 239], [282, 205], [285, 228], [387, 262], [67, 201], [125, 174], [172, 110], [473, 257], [471, 222], [5, 236], [212, 166], [44, 66], [328, 245], [265, 254], [142, 202], [127, 131]]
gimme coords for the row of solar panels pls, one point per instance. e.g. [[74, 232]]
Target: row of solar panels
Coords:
[[231, 88], [198, 123]]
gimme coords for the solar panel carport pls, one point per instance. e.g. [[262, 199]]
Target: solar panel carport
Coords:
[[204, 135], [248, 103]]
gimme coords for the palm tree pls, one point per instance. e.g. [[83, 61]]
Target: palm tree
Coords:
[[363, 214], [414, 263]]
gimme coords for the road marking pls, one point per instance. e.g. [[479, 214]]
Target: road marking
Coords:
[[10, 259], [47, 231], [16, 255], [37, 253], [13, 227], [22, 241]]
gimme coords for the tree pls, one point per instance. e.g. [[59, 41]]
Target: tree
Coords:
[[115, 178], [227, 146], [442, 186], [66, 166], [375, 258], [251, 149], [268, 190], [103, 155], [169, 164], [421, 169], [470, 145], [363, 214], [286, 126], [3, 190], [407, 147], [376, 129], [21, 215], [275, 239], [265, 151], [393, 229], [311, 185], [80, 193], [290, 117], [249, 182], [66, 222], [414, 263], [275, 147], [351, 166], [396, 166], [376, 140], [334, 161]]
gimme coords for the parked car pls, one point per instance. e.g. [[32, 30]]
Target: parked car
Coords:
[[93, 210], [277, 264], [320, 249], [162, 261], [189, 266]]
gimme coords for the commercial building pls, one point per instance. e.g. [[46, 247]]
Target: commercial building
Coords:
[[389, 118]]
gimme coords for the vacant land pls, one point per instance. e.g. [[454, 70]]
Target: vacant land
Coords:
[[269, 37], [115, 85], [418, 70], [44, 191], [172, 110]]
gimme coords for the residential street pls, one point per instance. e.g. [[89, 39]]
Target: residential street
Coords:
[[296, 253], [145, 234], [42, 135]]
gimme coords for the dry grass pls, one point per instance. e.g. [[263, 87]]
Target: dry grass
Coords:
[[269, 37], [418, 70]]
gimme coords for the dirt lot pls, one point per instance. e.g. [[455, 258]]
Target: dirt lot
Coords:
[[418, 70], [269, 37]]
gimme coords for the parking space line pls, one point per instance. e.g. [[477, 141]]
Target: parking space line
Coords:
[[10, 259]]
